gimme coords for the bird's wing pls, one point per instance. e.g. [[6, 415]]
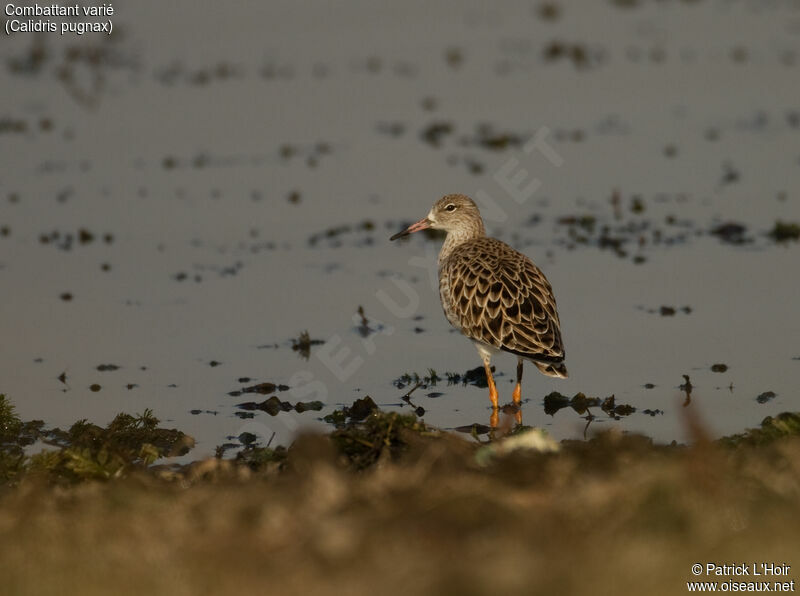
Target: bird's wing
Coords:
[[499, 297]]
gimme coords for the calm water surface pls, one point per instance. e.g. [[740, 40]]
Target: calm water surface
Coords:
[[182, 199]]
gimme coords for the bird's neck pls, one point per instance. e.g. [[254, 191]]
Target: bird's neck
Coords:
[[458, 236]]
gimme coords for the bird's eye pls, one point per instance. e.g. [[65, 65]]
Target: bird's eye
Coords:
[[450, 207]]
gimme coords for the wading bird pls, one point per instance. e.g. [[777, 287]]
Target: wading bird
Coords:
[[493, 294]]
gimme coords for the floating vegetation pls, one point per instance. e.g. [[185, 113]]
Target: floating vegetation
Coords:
[[273, 406], [200, 76], [85, 451], [625, 233], [487, 137], [730, 174], [587, 222], [333, 236], [731, 233], [364, 441], [475, 376], [260, 459], [435, 132], [357, 412], [454, 57], [579, 54], [429, 379], [548, 11], [363, 327], [67, 240], [260, 388], [784, 231], [610, 407], [766, 396], [13, 125], [15, 436], [630, 236], [555, 401], [302, 345], [668, 311], [771, 428], [475, 429]]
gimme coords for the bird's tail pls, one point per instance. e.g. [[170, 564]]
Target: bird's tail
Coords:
[[553, 370]]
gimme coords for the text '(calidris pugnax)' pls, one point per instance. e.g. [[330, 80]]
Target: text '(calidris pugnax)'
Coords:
[[493, 294]]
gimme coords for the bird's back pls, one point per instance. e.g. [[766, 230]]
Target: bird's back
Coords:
[[496, 295]]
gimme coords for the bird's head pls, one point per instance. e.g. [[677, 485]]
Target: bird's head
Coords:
[[451, 212]]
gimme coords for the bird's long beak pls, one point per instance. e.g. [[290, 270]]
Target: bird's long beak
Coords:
[[420, 225]]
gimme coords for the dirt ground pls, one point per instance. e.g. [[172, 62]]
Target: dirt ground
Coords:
[[392, 507]]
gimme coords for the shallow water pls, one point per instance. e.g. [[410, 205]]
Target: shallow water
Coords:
[[237, 175]]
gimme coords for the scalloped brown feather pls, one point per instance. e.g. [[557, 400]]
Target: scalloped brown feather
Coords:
[[498, 297]]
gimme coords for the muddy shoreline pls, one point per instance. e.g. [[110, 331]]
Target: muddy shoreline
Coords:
[[388, 504]]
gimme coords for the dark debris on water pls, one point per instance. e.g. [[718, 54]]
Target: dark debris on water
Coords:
[[67, 240], [261, 388], [358, 411], [669, 311], [414, 378], [785, 231], [333, 236], [366, 440], [766, 396], [475, 376], [302, 345], [364, 327], [555, 401], [731, 233], [274, 405]]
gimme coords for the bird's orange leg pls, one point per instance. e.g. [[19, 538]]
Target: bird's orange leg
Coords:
[[517, 395], [492, 386]]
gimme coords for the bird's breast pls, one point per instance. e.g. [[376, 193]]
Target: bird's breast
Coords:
[[446, 298]]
